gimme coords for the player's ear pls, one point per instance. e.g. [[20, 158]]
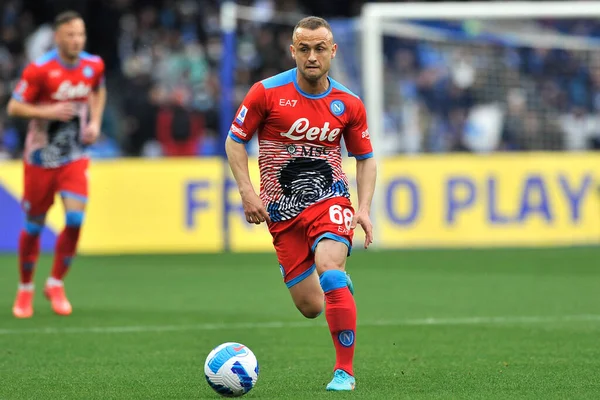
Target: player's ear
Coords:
[[293, 51], [334, 50]]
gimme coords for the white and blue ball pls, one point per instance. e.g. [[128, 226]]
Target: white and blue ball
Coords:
[[231, 369]]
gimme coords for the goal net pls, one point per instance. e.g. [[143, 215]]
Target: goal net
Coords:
[[477, 77]]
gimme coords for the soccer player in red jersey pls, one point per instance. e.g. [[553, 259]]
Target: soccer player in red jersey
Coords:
[[63, 95], [301, 116]]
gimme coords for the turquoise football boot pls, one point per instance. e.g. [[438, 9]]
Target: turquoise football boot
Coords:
[[341, 381]]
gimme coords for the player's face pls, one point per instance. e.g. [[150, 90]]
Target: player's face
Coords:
[[70, 38], [313, 51]]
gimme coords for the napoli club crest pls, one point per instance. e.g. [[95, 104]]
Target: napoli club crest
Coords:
[[337, 107], [346, 338], [88, 72]]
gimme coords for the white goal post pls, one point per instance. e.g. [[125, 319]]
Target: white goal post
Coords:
[[376, 18]]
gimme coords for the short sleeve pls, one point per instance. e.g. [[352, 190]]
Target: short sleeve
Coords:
[[356, 134], [250, 114], [99, 81], [28, 87]]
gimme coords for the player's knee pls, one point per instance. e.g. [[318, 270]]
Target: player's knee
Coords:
[[34, 227], [74, 219], [331, 265], [333, 279], [311, 309]]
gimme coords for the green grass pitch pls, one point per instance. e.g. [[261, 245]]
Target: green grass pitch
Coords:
[[452, 324]]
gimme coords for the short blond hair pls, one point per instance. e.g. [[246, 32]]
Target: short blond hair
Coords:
[[312, 23]]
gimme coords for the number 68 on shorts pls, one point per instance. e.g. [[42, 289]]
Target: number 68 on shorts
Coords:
[[342, 217], [295, 240]]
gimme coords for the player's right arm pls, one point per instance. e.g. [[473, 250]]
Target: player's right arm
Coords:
[[249, 116], [26, 93], [237, 156]]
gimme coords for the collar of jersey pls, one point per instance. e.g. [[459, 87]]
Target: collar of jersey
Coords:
[[308, 95], [68, 66], [56, 56]]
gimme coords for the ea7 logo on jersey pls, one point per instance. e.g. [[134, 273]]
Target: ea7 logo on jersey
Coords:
[[365, 135], [68, 91], [288, 103], [241, 115], [301, 130]]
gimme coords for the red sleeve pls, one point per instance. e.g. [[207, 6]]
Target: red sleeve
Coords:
[[250, 115], [28, 88], [99, 82], [356, 134]]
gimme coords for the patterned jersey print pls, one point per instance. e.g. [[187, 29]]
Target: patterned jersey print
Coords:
[[299, 134], [48, 80]]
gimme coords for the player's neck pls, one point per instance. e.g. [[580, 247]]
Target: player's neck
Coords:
[[318, 87], [71, 62]]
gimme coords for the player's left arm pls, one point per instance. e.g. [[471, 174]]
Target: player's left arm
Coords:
[[97, 102], [358, 142], [366, 175]]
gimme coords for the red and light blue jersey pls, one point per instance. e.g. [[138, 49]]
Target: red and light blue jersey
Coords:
[[299, 134], [48, 80]]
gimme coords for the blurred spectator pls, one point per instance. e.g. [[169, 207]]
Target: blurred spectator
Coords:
[[513, 135], [581, 130], [138, 128], [179, 129]]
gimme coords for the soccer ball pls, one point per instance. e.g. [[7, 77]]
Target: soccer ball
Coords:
[[231, 369]]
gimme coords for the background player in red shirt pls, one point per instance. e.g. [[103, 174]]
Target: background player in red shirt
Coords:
[[63, 95], [301, 116]]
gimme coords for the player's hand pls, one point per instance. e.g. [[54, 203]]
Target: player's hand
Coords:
[[363, 219], [62, 111], [90, 133], [254, 209]]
